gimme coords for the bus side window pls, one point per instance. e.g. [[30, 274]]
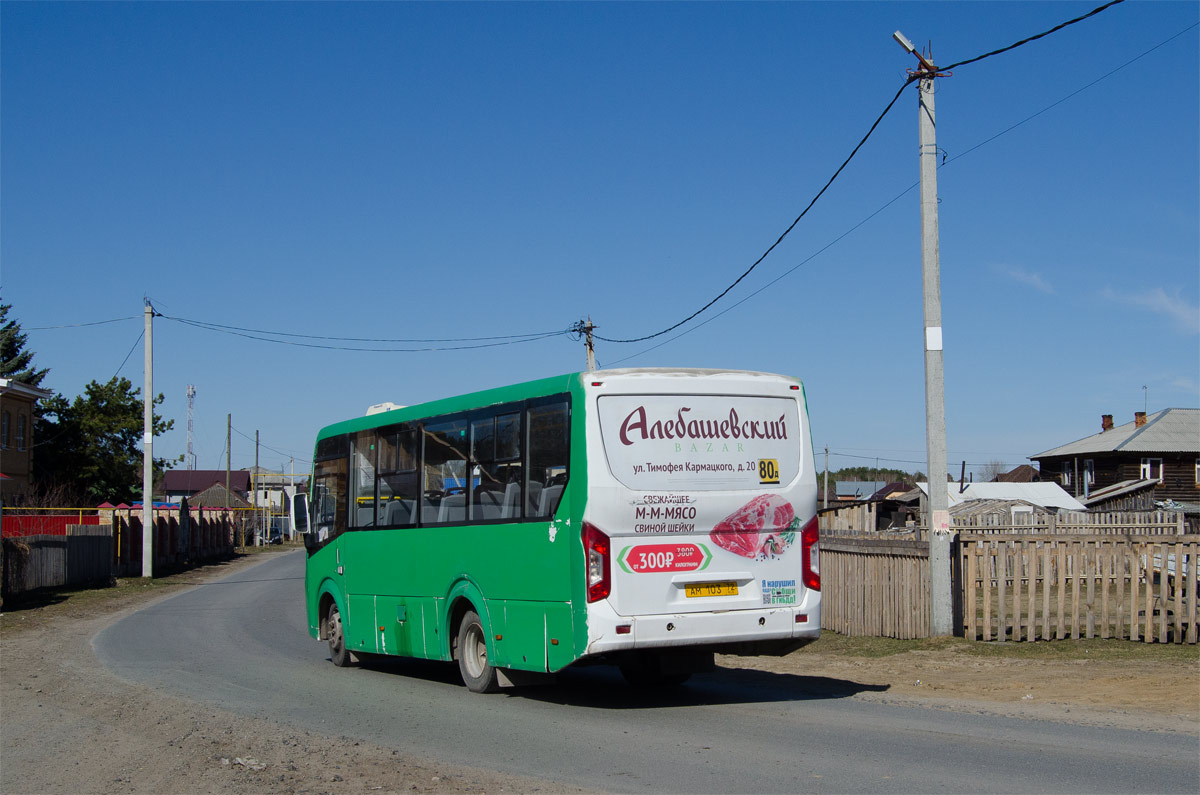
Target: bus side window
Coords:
[[549, 449], [399, 480], [445, 469], [362, 474], [495, 467]]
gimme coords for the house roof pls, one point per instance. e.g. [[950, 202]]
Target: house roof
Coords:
[[1166, 431], [1045, 495], [214, 497], [859, 489], [9, 386], [190, 481], [985, 507], [1122, 489], [1022, 474]]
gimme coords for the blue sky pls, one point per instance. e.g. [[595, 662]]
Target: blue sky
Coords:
[[393, 170]]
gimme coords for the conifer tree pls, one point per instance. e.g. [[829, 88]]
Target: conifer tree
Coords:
[[16, 362]]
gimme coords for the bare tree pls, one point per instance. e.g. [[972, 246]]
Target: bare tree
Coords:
[[992, 470]]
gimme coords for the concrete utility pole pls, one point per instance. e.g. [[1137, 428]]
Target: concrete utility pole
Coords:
[[591, 348], [191, 396], [941, 620], [254, 489], [228, 455], [148, 447], [826, 505]]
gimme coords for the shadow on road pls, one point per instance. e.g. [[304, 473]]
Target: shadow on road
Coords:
[[602, 687]]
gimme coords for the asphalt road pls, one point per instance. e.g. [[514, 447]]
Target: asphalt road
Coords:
[[240, 643]]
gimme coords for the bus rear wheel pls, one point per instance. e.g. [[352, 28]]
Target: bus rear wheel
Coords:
[[471, 650], [337, 637]]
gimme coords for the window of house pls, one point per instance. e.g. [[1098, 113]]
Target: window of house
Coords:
[[1066, 473], [1089, 472], [1152, 469], [1198, 471], [4, 430]]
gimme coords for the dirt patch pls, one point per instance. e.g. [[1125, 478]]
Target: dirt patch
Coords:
[[69, 726], [1152, 687]]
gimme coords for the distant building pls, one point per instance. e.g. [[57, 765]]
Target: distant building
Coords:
[[1163, 447], [188, 483], [17, 402], [215, 497], [855, 490], [1022, 474], [272, 490], [1039, 495]]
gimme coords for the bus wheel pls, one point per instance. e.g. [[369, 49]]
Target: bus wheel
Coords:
[[337, 638], [477, 674]]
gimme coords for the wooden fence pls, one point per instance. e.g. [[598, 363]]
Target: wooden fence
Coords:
[[89, 554], [1053, 587], [875, 586], [1074, 523], [80, 555]]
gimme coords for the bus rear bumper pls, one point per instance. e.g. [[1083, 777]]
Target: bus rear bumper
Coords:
[[609, 632]]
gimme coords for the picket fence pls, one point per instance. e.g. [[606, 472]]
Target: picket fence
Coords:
[[1073, 523], [875, 586], [1053, 587]]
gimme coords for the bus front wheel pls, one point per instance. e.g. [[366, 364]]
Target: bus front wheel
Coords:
[[337, 638], [471, 650]]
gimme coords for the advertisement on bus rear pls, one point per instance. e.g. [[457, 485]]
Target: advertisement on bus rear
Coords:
[[701, 442]]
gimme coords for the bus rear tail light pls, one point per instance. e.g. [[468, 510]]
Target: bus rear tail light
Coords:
[[810, 555], [596, 549]]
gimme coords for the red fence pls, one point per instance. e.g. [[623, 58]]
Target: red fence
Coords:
[[33, 525]]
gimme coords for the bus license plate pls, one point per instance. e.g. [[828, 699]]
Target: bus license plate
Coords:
[[711, 589]]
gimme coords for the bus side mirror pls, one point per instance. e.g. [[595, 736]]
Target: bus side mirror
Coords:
[[298, 514]]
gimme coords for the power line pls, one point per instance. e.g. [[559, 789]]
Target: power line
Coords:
[[511, 340], [131, 350], [221, 327], [772, 247], [904, 192], [912, 77], [81, 325], [1025, 41], [1080, 90], [901, 460], [269, 447]]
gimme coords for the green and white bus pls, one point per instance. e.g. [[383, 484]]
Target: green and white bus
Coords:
[[647, 518]]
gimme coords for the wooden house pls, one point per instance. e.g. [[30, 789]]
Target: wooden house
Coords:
[[1163, 447]]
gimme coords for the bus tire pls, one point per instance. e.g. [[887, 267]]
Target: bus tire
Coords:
[[471, 652], [338, 652]]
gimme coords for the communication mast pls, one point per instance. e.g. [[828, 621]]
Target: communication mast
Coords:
[[191, 396]]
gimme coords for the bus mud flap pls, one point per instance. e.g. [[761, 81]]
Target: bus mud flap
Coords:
[[509, 677]]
